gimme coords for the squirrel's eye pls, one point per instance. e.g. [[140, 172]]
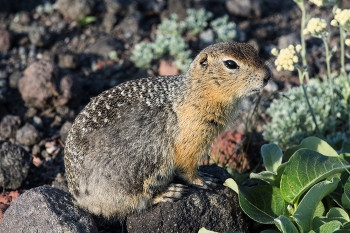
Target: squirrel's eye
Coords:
[[231, 64]]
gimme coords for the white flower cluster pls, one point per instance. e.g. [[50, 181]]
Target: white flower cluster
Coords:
[[316, 27], [287, 58], [342, 18], [318, 3], [321, 3], [347, 42]]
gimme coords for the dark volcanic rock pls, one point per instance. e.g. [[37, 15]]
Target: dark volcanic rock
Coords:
[[39, 35], [38, 86], [41, 86], [74, 9], [104, 46], [28, 135], [46, 209], [217, 210], [70, 91], [9, 125], [64, 130], [245, 8], [5, 41], [14, 163]]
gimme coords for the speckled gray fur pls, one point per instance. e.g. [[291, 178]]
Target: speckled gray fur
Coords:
[[96, 150]]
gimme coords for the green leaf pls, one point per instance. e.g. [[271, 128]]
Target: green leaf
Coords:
[[304, 213], [269, 231], [345, 199], [262, 203], [285, 225], [272, 157], [270, 177], [328, 227], [312, 143], [203, 230], [231, 183], [305, 168], [336, 213], [267, 176]]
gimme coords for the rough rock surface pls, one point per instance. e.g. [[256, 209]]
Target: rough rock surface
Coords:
[[5, 41], [216, 209], [64, 130], [14, 163], [74, 9], [41, 86], [27, 135], [46, 209], [9, 125], [38, 86], [6, 198]]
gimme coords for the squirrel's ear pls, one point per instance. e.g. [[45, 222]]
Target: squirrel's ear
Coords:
[[203, 60]]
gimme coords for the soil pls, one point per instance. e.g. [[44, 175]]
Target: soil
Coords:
[[52, 62]]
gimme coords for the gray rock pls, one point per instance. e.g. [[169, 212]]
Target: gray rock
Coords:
[[74, 9], [39, 35], [245, 8], [114, 6], [39, 84], [206, 37], [104, 46], [9, 125], [46, 209], [5, 41], [28, 135], [64, 130], [14, 164], [70, 91], [130, 24], [13, 79], [68, 60], [285, 40], [178, 7], [109, 20], [217, 210]]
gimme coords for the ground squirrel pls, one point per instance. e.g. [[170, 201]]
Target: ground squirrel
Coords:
[[127, 145]]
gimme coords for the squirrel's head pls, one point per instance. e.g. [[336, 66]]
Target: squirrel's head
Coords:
[[229, 70]]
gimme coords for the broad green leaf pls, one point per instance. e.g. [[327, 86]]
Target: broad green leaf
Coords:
[[346, 225], [319, 211], [305, 168], [267, 176], [285, 225], [304, 213], [328, 227], [269, 231], [270, 177], [272, 157], [231, 183], [203, 230], [312, 143], [336, 213], [263, 203], [346, 196], [341, 231]]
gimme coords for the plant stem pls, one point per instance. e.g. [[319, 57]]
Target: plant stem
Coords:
[[328, 60], [308, 102], [301, 5], [342, 51]]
